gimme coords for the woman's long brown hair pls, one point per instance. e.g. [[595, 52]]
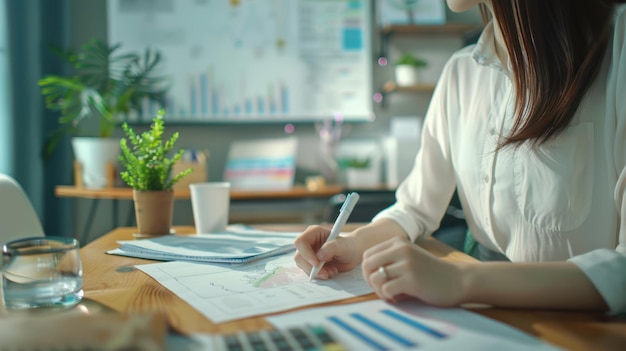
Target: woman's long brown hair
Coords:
[[556, 48]]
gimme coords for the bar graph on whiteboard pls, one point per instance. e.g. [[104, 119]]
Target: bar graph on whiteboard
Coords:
[[248, 60], [207, 98]]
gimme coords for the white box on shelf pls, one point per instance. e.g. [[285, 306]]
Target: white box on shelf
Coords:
[[401, 147], [399, 158]]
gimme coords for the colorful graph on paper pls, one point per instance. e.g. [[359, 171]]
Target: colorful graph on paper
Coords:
[[228, 292], [411, 325], [250, 60]]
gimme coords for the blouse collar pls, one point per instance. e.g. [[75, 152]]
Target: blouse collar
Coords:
[[484, 52]]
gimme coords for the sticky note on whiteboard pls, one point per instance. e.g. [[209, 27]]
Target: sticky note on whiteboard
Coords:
[[265, 164]]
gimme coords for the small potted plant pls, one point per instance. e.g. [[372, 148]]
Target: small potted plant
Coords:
[[407, 68], [148, 170], [360, 172], [103, 87]]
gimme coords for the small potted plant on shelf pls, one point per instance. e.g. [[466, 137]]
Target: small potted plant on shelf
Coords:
[[148, 170], [360, 172], [103, 88], [407, 69]]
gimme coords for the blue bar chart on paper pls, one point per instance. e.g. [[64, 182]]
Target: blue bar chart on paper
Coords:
[[410, 325], [248, 60], [385, 328]]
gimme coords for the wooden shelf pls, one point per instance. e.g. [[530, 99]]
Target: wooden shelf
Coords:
[[390, 87], [441, 29], [297, 192]]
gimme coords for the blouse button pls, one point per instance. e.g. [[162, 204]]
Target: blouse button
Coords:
[[485, 178]]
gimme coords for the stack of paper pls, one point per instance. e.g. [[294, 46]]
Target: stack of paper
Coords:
[[234, 245]]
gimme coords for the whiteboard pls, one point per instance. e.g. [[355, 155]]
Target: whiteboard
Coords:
[[254, 60]]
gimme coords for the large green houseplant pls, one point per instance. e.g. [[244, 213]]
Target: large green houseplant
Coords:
[[148, 170], [102, 88]]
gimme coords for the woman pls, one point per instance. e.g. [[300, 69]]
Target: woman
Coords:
[[529, 125]]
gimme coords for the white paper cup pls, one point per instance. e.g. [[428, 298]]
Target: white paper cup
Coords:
[[210, 203]]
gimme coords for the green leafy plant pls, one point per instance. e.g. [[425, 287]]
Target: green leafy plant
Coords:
[[103, 85], [355, 162], [146, 162], [411, 60]]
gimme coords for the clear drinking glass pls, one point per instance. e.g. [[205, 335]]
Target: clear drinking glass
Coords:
[[41, 272]]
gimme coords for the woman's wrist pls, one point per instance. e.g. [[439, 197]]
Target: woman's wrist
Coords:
[[468, 277], [356, 241]]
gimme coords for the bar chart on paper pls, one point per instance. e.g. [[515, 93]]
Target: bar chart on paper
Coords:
[[377, 325], [237, 61]]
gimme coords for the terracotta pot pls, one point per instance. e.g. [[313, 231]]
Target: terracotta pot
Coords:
[[153, 211]]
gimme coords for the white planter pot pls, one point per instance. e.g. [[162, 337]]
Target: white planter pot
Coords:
[[406, 75], [94, 154], [362, 177]]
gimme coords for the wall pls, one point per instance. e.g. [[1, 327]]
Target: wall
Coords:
[[88, 19]]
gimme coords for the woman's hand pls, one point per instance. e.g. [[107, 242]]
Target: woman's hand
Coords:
[[339, 255], [412, 271]]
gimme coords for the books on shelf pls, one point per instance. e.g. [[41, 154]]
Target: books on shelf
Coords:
[[237, 244]]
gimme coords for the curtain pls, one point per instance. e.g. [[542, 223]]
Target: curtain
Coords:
[[5, 120], [29, 28]]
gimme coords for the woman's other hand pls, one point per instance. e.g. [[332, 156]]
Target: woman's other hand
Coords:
[[412, 271]]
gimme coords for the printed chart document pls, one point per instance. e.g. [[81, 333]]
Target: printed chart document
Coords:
[[377, 325], [228, 292], [235, 245]]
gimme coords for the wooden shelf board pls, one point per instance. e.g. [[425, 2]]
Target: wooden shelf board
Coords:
[[390, 87], [127, 193], [435, 29]]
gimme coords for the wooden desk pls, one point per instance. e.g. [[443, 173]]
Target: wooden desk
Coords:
[[113, 281]]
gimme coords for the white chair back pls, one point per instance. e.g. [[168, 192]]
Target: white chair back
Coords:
[[18, 218]]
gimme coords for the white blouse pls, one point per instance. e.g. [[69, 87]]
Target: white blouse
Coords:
[[563, 201]]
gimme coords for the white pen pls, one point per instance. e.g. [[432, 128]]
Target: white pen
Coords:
[[344, 213]]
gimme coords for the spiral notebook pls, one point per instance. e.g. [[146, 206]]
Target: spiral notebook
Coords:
[[237, 244]]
